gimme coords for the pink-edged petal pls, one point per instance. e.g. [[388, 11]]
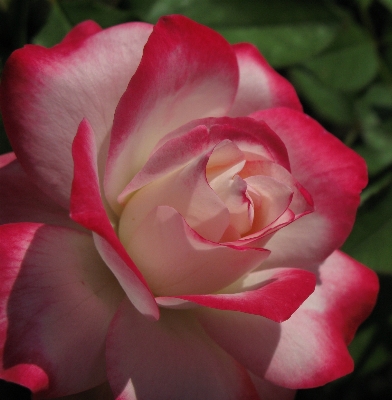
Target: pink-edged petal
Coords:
[[301, 202], [255, 139], [88, 210], [169, 157], [170, 359], [101, 392], [268, 391], [186, 190], [260, 238], [175, 149], [22, 201], [45, 93], [310, 348], [271, 199], [6, 159], [187, 71], [80, 32], [252, 137], [276, 295], [175, 260], [334, 176], [57, 299], [260, 85]]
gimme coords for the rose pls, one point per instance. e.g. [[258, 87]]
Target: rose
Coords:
[[206, 209]]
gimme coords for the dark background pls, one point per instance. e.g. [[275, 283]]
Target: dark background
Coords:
[[338, 55]]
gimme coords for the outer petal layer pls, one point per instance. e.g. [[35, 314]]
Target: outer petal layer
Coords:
[[260, 85], [310, 348], [188, 71], [22, 201], [45, 93], [87, 209], [55, 292], [275, 295], [269, 391], [170, 359], [333, 174]]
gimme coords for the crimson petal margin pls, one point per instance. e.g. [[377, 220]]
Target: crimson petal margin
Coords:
[[276, 298], [57, 299], [45, 93], [311, 349], [87, 209], [332, 173], [260, 85], [170, 359], [187, 72]]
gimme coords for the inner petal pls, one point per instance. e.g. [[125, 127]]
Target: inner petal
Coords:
[[271, 199], [187, 191], [225, 162]]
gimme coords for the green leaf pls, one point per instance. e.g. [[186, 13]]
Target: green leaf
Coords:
[[235, 13], [326, 102], [286, 32], [374, 188], [103, 14], [350, 63], [285, 45], [56, 27], [374, 114], [370, 240], [387, 4], [364, 4]]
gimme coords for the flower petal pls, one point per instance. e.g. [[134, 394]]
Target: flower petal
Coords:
[[175, 260], [55, 292], [22, 201], [269, 391], [188, 71], [332, 174], [101, 392], [310, 348], [276, 296], [45, 93], [186, 190], [170, 359], [88, 210], [260, 85]]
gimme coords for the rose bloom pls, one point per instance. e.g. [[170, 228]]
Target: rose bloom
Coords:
[[170, 222]]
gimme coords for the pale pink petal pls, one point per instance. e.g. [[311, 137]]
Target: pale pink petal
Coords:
[[57, 298], [254, 138], [187, 71], [88, 210], [260, 85], [173, 154], [269, 391], [334, 176], [271, 198], [45, 93], [186, 190], [170, 359], [101, 392], [277, 296], [310, 348], [22, 201], [175, 260], [301, 202]]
